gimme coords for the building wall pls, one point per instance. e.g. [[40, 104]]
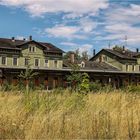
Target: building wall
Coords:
[[107, 59], [38, 54]]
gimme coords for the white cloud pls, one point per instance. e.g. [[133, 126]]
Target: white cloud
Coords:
[[87, 25], [119, 14], [120, 21], [64, 31], [75, 8], [81, 47], [81, 30]]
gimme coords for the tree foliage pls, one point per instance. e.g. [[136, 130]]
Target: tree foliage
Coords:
[[79, 82], [27, 75], [85, 55], [118, 48], [84, 86]]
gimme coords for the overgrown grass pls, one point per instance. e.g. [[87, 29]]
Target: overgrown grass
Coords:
[[64, 115]]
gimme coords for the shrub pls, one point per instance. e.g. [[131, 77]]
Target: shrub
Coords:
[[84, 86], [133, 89], [96, 86]]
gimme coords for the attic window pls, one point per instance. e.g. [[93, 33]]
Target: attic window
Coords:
[[31, 48]]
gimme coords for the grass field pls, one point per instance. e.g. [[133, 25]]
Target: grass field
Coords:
[[62, 115]]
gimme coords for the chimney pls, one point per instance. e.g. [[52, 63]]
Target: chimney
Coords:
[[13, 39], [94, 52], [137, 50], [30, 38], [72, 57]]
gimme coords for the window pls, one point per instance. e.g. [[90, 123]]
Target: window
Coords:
[[31, 49], [105, 58], [55, 63], [15, 61], [126, 67], [100, 59], [36, 62], [133, 67], [3, 60], [26, 61], [46, 62]]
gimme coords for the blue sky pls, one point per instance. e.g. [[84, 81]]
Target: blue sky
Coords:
[[73, 24]]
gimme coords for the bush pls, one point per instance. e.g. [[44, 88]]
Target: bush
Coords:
[[84, 86], [96, 86], [133, 89]]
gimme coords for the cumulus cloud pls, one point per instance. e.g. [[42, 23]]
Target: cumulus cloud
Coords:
[[64, 31], [120, 21], [80, 47], [74, 8], [80, 30]]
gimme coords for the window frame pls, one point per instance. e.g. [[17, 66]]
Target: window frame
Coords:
[[133, 67], [32, 49], [46, 64], [13, 60], [25, 61], [5, 59], [55, 64], [127, 67], [35, 62]]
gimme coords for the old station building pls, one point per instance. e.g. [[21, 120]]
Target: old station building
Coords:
[[109, 66]]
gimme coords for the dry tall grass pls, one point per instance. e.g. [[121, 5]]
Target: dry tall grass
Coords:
[[70, 116]]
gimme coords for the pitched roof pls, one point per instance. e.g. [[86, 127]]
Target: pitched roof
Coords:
[[16, 44], [127, 54], [92, 65]]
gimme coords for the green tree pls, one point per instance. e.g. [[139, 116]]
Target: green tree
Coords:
[[85, 55], [27, 75], [118, 48], [84, 86], [75, 77]]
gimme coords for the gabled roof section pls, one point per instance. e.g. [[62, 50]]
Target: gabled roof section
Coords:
[[9, 44], [51, 48], [127, 55], [17, 44], [92, 65]]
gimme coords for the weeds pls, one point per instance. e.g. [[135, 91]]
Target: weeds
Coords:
[[65, 115]]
